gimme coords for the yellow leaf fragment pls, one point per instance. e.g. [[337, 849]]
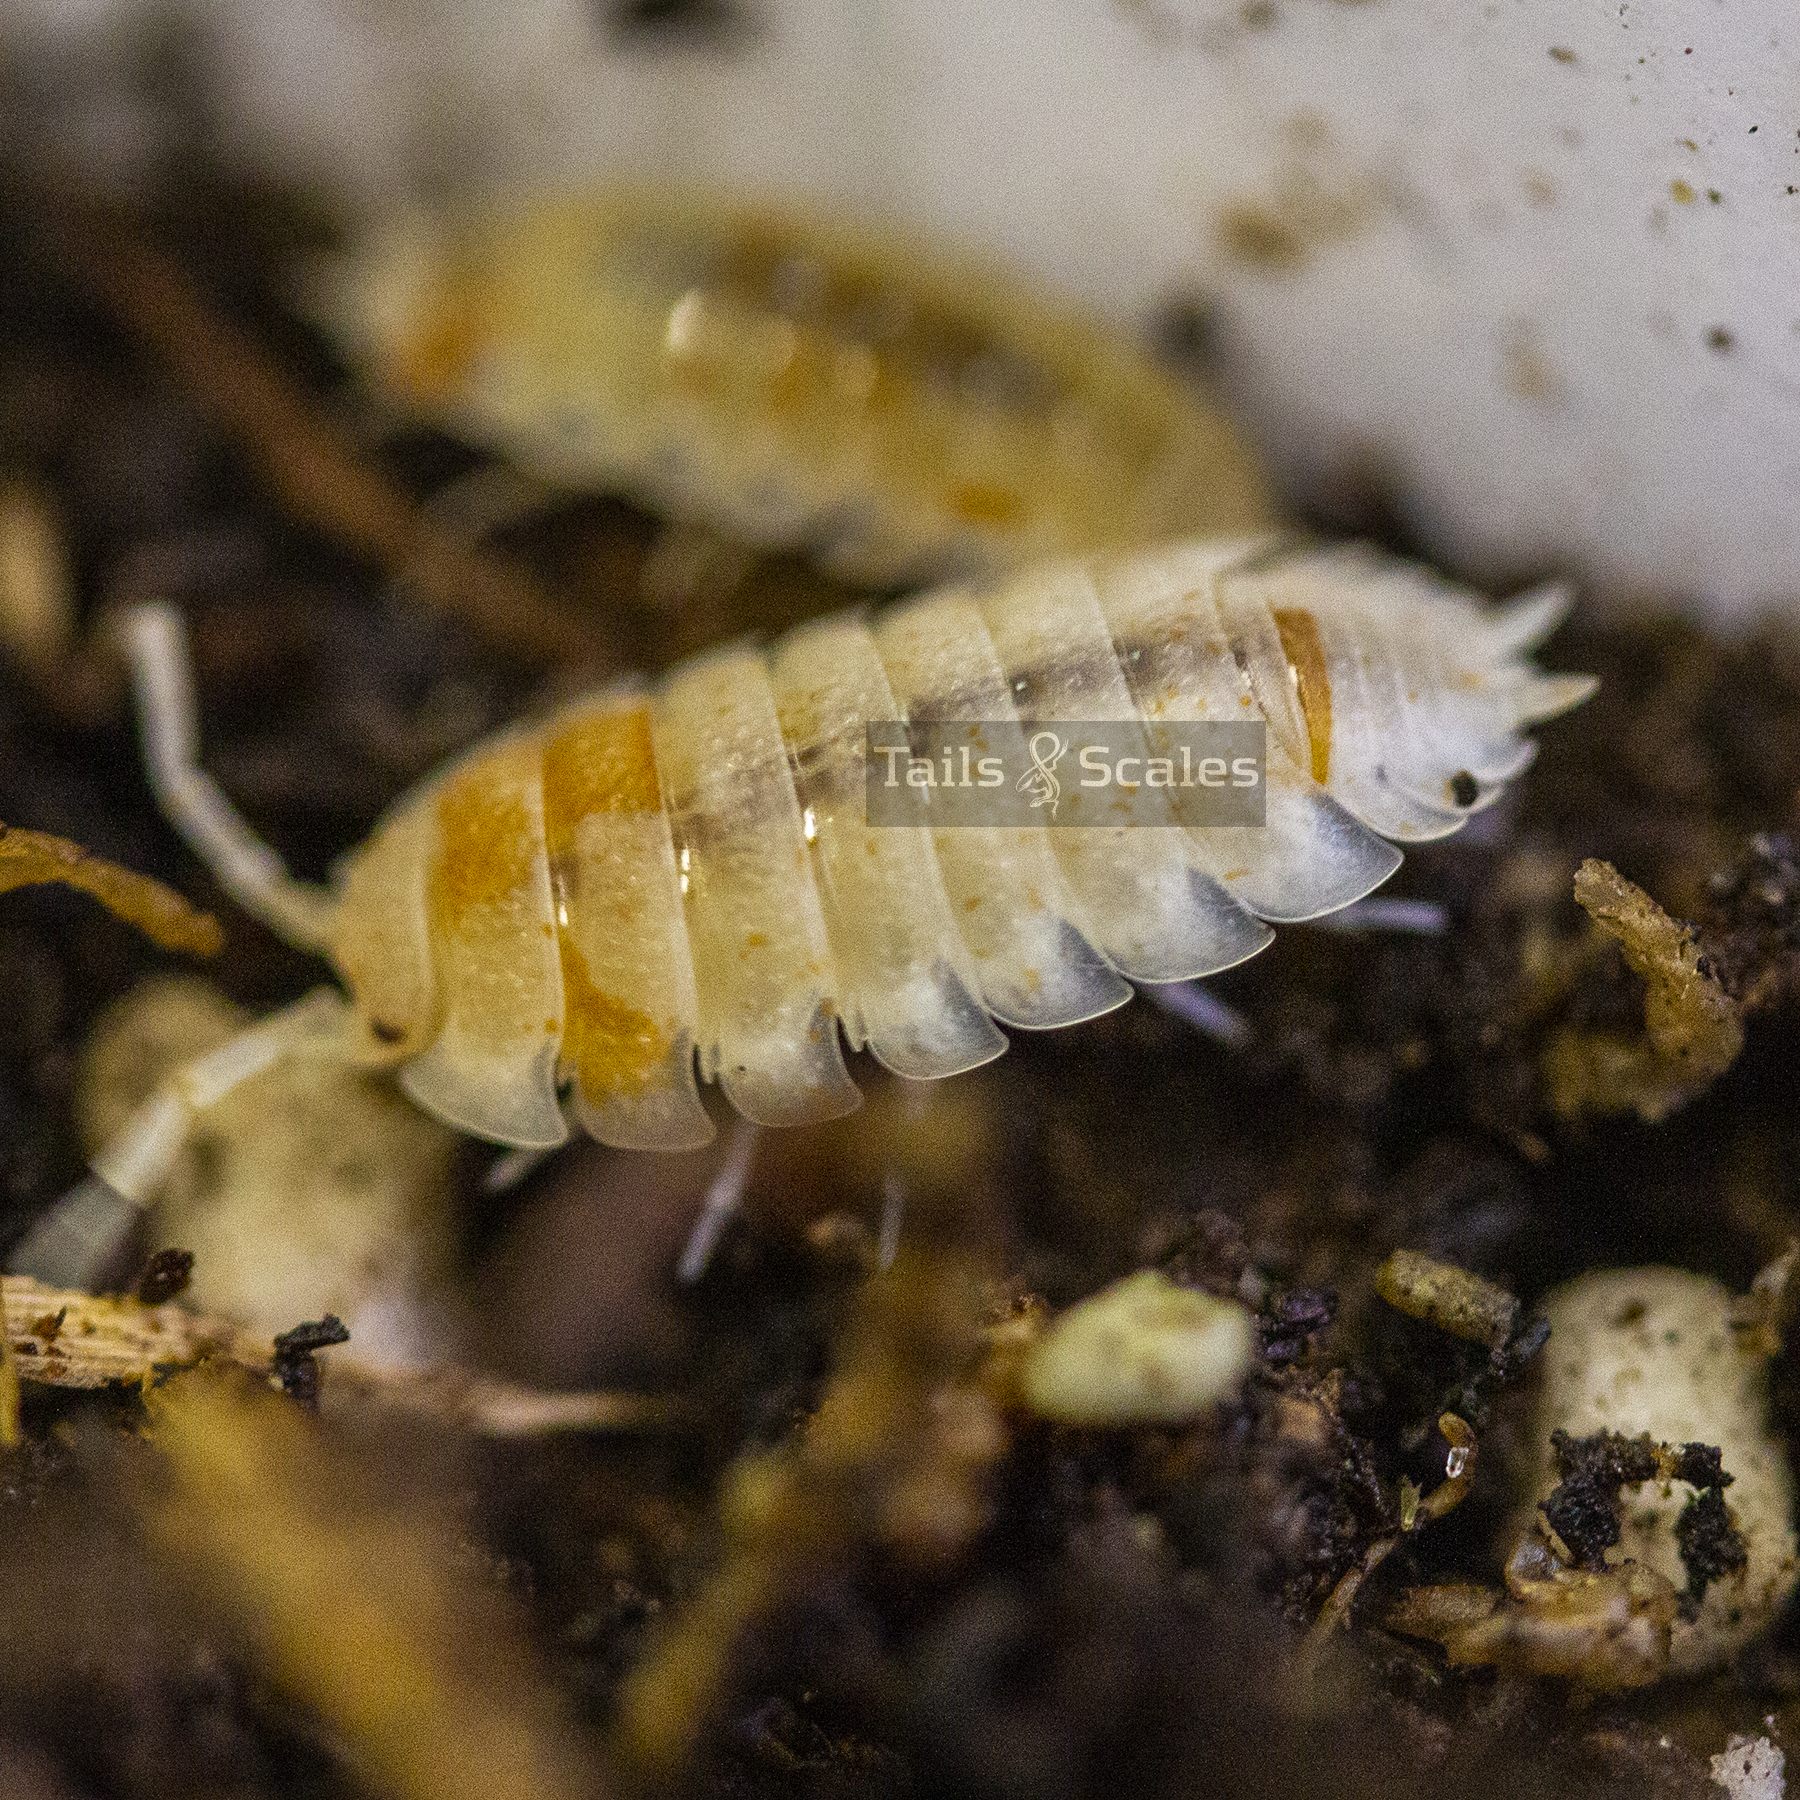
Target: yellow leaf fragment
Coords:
[[32, 858], [352, 1606], [1692, 1029]]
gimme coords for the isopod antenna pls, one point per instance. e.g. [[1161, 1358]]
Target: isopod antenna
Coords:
[[81, 1238], [154, 638]]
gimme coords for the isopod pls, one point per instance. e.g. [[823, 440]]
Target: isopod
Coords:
[[786, 380], [568, 919]]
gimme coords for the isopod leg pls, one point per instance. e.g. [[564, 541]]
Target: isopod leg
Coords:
[[77, 1242], [723, 1199], [155, 641]]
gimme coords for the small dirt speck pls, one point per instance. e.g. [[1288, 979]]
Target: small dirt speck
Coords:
[[1254, 236], [165, 1275]]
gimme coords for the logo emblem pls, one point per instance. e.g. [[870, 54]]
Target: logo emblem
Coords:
[[1039, 781]]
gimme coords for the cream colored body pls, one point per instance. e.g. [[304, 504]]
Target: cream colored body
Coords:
[[586, 909], [784, 379]]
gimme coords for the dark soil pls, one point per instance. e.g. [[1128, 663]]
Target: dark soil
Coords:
[[1125, 1615]]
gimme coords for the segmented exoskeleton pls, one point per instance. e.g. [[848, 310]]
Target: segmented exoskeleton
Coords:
[[571, 916], [648, 875]]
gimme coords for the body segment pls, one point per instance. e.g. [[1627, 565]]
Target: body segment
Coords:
[[572, 920]]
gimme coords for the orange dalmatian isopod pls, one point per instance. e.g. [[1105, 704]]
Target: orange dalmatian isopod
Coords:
[[572, 918], [786, 380]]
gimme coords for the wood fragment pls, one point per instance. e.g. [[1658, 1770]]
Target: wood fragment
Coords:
[[1448, 1297], [32, 858], [1692, 1029], [61, 1337], [1437, 1610], [311, 468]]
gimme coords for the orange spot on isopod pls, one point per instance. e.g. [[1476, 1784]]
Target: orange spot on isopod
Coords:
[[1301, 644]]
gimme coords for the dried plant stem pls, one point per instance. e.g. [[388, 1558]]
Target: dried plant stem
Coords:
[[314, 472], [31, 858]]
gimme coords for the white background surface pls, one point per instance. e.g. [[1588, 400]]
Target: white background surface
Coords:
[[1529, 270]]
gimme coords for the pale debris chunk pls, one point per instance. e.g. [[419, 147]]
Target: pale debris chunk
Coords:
[[1692, 1031], [1653, 1351], [1654, 1379], [1606, 1629], [312, 1189], [1750, 1768], [37, 590], [1144, 1351]]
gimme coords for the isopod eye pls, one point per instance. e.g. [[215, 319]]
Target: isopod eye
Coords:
[[1464, 789], [384, 1043]]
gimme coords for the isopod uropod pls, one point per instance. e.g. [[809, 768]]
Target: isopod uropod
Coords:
[[566, 919]]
